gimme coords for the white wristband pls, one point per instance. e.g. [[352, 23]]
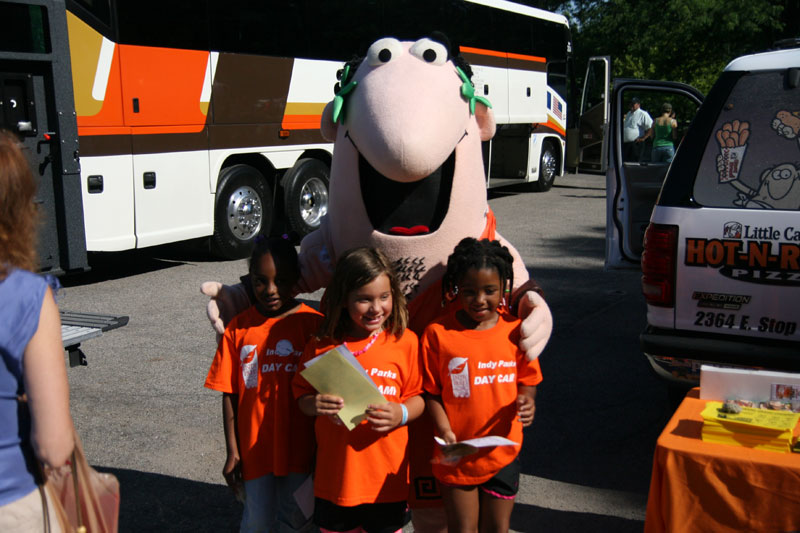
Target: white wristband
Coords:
[[405, 414]]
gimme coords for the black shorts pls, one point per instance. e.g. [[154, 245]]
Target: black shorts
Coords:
[[372, 517], [504, 484]]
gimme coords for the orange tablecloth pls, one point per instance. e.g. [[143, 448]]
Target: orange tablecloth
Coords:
[[702, 486]]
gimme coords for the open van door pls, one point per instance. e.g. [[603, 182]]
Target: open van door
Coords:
[[633, 178], [593, 113]]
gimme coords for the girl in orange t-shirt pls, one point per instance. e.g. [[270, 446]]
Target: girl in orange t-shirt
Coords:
[[270, 443], [478, 384], [361, 476]]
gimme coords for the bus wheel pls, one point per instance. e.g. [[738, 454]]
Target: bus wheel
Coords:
[[548, 163], [306, 194], [242, 211]]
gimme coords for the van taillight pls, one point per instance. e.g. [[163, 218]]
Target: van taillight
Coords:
[[658, 264]]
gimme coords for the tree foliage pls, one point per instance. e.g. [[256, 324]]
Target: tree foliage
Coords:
[[680, 40]]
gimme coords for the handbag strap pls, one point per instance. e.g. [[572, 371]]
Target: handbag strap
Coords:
[[44, 509], [81, 528]]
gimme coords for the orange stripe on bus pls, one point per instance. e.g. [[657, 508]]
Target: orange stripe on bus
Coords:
[[301, 122], [140, 130], [550, 123], [493, 53], [536, 59], [481, 51]]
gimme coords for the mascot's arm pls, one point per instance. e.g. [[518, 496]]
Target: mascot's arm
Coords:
[[316, 265], [527, 298], [226, 302]]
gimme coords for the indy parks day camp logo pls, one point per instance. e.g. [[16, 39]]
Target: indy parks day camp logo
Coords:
[[767, 255]]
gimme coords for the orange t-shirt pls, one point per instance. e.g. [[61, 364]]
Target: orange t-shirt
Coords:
[[476, 373], [363, 466], [256, 359]]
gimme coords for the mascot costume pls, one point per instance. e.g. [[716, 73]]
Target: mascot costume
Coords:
[[407, 177]]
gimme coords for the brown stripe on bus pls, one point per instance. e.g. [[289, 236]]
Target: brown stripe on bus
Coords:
[[485, 60], [157, 143], [251, 89], [98, 145], [241, 136], [530, 66]]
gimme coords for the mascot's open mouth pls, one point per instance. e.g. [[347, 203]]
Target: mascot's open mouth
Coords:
[[406, 208]]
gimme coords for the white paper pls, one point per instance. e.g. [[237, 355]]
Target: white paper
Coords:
[[304, 496], [481, 442], [720, 384]]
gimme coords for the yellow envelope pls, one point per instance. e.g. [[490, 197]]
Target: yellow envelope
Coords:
[[339, 373]]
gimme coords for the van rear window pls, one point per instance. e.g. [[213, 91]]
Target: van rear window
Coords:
[[752, 159]]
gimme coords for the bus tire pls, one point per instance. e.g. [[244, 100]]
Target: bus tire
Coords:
[[242, 212], [548, 166], [305, 188]]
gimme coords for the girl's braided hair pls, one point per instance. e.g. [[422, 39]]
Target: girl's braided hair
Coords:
[[283, 253], [472, 253]]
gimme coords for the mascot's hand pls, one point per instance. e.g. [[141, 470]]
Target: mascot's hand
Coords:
[[226, 302], [537, 324]]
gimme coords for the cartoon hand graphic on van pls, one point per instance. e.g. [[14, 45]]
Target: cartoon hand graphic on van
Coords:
[[732, 138], [787, 124]]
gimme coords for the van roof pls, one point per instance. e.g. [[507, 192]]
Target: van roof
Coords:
[[775, 59]]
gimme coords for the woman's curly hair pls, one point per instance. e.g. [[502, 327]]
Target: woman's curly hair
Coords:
[[18, 214]]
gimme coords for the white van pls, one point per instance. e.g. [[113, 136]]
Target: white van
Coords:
[[720, 253]]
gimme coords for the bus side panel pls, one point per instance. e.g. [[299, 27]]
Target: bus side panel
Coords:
[[490, 78], [251, 89], [163, 86], [172, 201], [527, 89], [95, 76], [108, 211], [311, 88]]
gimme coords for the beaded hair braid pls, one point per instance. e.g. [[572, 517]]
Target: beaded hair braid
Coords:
[[472, 253]]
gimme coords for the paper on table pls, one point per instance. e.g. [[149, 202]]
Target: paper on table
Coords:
[[338, 372]]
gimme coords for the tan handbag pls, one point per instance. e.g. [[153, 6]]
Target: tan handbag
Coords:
[[84, 500]]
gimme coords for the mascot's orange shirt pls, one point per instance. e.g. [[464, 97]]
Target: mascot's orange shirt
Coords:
[[256, 359], [476, 373], [363, 466]]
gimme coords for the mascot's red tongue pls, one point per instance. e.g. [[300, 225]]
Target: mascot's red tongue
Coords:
[[414, 230]]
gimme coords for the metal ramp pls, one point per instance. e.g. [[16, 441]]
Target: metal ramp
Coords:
[[78, 327]]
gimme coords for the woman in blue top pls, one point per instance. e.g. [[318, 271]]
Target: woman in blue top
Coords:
[[664, 134], [33, 357]]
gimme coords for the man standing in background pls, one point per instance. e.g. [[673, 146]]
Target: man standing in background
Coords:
[[636, 129]]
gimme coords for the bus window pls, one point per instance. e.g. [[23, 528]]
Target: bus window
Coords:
[[29, 37]]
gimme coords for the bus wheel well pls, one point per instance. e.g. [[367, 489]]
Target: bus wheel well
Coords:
[[320, 155], [256, 161]]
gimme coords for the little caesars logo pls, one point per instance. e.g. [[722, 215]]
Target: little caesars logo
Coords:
[[754, 254]]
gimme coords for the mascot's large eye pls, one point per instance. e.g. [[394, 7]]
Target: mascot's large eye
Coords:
[[429, 51], [383, 50]]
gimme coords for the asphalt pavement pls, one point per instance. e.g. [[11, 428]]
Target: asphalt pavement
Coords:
[[143, 414]]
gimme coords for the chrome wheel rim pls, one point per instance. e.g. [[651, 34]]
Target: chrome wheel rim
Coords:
[[313, 202], [245, 213], [548, 166]]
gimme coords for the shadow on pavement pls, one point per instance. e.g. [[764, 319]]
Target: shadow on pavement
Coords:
[[105, 266], [154, 502], [532, 518]]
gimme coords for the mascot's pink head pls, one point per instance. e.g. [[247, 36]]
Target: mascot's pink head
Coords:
[[407, 173]]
